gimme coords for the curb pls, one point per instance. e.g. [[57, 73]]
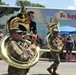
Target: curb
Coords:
[[62, 60]]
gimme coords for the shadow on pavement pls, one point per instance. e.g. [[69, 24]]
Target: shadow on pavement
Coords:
[[4, 74], [33, 74], [41, 74]]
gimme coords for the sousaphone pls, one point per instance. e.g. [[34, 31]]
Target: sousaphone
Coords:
[[49, 36], [21, 19]]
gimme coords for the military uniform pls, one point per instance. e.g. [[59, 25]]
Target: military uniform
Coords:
[[55, 43], [16, 49], [16, 71]]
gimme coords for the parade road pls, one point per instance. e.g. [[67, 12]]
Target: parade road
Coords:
[[65, 68]]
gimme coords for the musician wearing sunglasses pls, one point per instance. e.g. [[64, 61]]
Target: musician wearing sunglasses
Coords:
[[16, 50]]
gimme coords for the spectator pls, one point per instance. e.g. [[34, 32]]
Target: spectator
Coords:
[[53, 22], [1, 35], [35, 36], [63, 38], [32, 24], [69, 47]]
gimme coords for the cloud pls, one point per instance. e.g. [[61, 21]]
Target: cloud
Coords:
[[74, 2], [71, 7]]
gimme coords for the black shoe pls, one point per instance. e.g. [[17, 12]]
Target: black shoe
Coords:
[[49, 70]]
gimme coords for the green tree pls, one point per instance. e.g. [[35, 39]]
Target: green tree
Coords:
[[37, 5], [28, 3], [3, 3]]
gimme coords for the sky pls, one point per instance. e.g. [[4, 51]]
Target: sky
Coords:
[[56, 4]]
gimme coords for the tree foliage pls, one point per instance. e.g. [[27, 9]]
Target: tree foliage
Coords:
[[28, 3], [3, 3]]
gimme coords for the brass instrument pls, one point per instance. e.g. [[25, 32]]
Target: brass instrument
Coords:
[[49, 36], [4, 51]]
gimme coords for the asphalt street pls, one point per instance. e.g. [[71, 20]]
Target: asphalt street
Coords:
[[65, 68]]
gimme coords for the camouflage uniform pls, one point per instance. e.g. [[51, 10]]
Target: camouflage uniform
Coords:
[[16, 71], [13, 70], [55, 55], [16, 48], [54, 41]]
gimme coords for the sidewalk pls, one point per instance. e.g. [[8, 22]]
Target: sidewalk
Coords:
[[62, 60]]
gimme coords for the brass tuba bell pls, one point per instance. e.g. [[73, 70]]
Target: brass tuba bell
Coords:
[[49, 36], [4, 51]]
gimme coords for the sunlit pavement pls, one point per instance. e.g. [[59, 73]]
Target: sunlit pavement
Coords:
[[65, 68]]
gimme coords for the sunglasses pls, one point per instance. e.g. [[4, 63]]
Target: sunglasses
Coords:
[[19, 33]]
